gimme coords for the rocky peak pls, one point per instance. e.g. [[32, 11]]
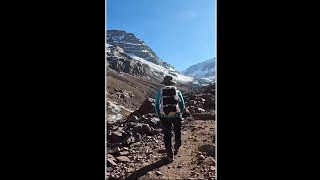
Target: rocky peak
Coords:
[[132, 45]]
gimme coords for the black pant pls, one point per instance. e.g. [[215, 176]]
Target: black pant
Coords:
[[167, 124]]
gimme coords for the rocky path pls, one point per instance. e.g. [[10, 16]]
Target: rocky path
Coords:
[[195, 159]]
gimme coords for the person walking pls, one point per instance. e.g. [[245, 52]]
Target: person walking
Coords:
[[169, 107]]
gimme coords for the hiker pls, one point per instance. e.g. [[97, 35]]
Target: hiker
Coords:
[[169, 107]]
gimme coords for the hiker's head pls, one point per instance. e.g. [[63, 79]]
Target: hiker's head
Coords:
[[168, 81]]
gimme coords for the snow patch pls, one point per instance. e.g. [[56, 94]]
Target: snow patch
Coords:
[[156, 69], [116, 117], [113, 107], [116, 111]]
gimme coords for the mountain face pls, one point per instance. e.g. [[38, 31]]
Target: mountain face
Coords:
[[121, 62], [132, 45], [126, 53]]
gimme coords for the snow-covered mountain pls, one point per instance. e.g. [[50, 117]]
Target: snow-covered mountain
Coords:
[[126, 53], [124, 50], [206, 69], [203, 73], [132, 45]]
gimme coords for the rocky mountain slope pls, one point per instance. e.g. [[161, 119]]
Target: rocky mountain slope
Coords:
[[121, 62], [130, 90]]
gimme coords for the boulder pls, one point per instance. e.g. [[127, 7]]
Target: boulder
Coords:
[[129, 140], [209, 102], [136, 113], [154, 132], [133, 119], [147, 106], [210, 161]]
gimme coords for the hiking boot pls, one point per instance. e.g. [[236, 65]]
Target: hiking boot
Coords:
[[176, 151], [176, 148], [169, 154], [170, 158]]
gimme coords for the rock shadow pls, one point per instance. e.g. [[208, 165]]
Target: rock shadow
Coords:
[[143, 171]]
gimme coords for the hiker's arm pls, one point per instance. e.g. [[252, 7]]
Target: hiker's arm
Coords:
[[181, 101], [157, 103]]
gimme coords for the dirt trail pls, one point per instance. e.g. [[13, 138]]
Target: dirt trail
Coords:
[[196, 141]]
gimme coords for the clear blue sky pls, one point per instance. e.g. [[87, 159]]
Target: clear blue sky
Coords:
[[180, 32]]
